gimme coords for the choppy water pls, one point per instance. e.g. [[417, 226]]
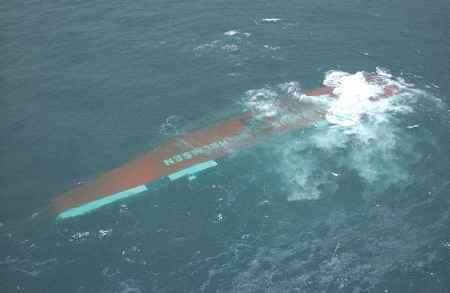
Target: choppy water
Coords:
[[360, 204]]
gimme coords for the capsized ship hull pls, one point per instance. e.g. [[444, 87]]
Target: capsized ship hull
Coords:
[[191, 153]]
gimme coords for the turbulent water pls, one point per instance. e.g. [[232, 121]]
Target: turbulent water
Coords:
[[358, 202]]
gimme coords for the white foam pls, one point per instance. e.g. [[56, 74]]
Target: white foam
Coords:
[[272, 48], [270, 20], [230, 47], [412, 126], [171, 126], [353, 93], [361, 137], [237, 33], [262, 102], [231, 33], [265, 102]]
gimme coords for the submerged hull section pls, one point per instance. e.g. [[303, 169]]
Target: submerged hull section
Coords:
[[168, 158], [188, 154]]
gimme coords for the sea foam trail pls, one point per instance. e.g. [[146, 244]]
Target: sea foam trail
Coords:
[[357, 97], [361, 135]]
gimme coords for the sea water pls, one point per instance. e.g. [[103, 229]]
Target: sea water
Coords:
[[357, 203]]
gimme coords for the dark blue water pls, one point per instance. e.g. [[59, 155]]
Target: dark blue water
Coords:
[[85, 86]]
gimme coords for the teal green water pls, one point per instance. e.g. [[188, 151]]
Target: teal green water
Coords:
[[85, 86]]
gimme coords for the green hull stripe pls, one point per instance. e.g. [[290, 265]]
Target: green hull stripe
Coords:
[[192, 170], [93, 205]]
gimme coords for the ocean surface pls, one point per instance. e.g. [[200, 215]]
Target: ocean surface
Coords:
[[360, 204]]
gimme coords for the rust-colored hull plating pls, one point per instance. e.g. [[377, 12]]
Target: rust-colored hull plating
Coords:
[[190, 149], [150, 166]]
